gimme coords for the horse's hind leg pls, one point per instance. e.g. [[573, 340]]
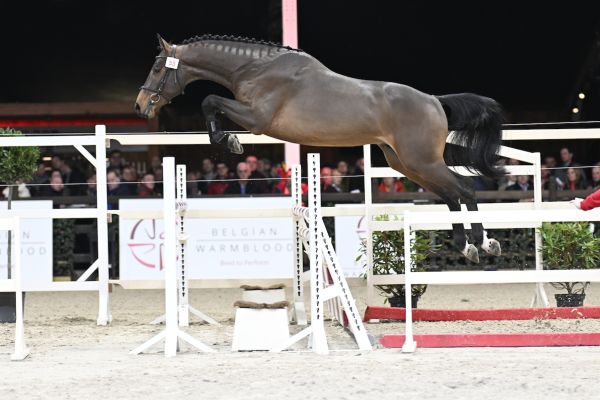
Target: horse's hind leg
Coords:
[[438, 179], [241, 114], [490, 246]]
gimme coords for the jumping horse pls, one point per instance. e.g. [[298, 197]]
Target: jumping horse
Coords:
[[287, 94]]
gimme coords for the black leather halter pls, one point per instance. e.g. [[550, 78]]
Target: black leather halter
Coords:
[[157, 93]]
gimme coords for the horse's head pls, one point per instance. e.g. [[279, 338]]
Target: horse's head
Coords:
[[165, 81]]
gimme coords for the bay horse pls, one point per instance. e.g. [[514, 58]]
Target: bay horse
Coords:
[[289, 95]]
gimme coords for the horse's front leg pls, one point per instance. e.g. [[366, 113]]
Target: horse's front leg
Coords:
[[241, 114]]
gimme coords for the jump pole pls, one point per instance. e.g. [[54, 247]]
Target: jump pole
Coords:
[[171, 333]]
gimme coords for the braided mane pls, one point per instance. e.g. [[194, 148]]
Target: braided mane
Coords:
[[238, 39]]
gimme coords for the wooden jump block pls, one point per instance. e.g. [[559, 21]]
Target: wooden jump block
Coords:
[[260, 326], [260, 294]]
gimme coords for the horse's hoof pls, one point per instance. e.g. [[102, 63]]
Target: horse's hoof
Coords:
[[471, 253], [234, 145], [492, 246], [217, 137]]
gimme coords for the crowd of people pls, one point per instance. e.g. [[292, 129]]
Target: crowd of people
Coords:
[[261, 176]]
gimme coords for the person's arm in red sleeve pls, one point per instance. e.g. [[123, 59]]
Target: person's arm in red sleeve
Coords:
[[592, 201]]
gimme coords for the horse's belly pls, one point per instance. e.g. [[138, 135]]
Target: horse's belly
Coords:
[[325, 126]]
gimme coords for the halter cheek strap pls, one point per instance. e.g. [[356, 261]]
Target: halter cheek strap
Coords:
[[171, 64]]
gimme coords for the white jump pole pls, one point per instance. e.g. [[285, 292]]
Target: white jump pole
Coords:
[[409, 344], [171, 332], [104, 316], [21, 350]]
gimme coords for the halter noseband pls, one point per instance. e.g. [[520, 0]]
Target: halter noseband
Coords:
[[157, 93]]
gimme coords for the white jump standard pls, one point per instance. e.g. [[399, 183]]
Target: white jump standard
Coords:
[[322, 260], [171, 333]]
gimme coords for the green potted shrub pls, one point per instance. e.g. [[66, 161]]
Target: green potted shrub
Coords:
[[569, 245], [388, 259], [17, 164]]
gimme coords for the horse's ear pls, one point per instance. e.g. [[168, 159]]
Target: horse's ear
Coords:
[[162, 42]]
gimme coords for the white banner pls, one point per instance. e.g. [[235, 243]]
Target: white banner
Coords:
[[36, 244], [232, 248], [349, 232]]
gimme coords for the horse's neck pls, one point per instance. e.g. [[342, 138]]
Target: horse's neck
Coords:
[[218, 60]]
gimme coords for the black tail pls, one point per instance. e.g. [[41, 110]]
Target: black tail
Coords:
[[477, 125]]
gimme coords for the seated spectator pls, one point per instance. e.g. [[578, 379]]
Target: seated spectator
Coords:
[[522, 183], [113, 181], [158, 178], [38, 186], [342, 168], [357, 183], [72, 178], [129, 179], [91, 186], [256, 176], [191, 180], [57, 187], [207, 174], [146, 187], [219, 185], [567, 160], [326, 180], [390, 185], [575, 179], [506, 181], [336, 182], [242, 185], [595, 182]]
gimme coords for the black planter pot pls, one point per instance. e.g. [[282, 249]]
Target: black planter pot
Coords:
[[8, 307], [569, 300], [400, 302]]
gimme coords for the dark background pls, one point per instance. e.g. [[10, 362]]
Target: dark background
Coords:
[[529, 57]]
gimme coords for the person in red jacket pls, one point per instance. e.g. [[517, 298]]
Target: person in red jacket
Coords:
[[592, 201]]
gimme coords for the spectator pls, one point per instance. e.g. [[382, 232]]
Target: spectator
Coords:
[[595, 182], [590, 202], [357, 183], [207, 174], [146, 187], [336, 182], [155, 163], [191, 180], [550, 162], [38, 186], [507, 180], [243, 185], [326, 179], [390, 185], [158, 178], [567, 160], [72, 178], [115, 161], [129, 179], [219, 186], [57, 187], [256, 176], [548, 180], [575, 179], [522, 183], [342, 168], [91, 186], [114, 184], [265, 167]]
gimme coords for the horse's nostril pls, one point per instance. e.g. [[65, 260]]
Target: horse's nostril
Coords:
[[137, 108]]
